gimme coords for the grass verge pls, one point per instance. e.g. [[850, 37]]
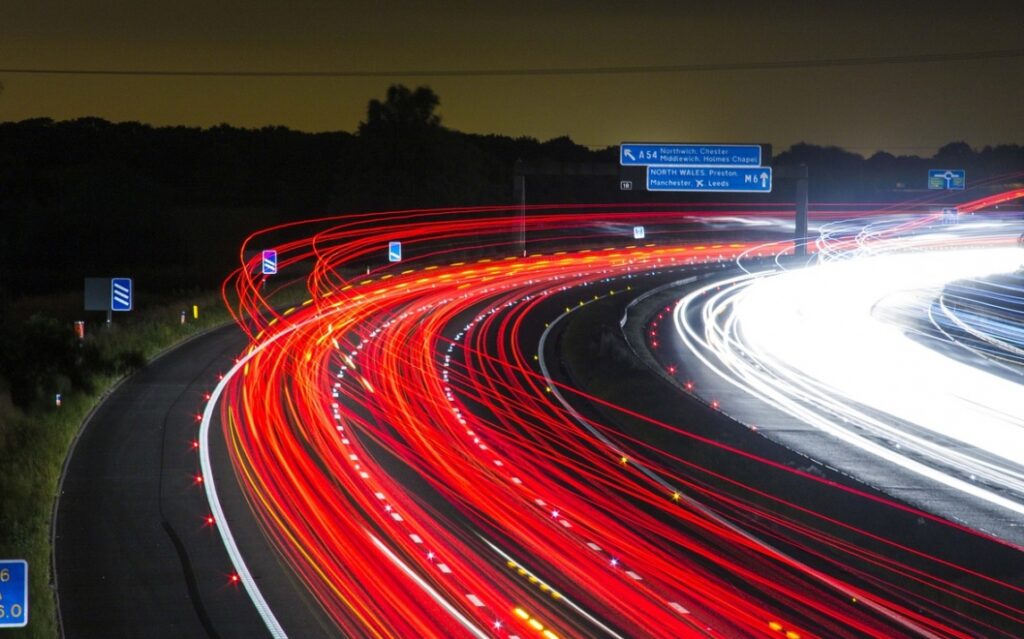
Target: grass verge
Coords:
[[34, 441]]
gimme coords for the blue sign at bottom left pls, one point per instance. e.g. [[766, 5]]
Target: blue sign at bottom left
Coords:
[[13, 593]]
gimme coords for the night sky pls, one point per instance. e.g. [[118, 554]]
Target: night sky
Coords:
[[903, 108]]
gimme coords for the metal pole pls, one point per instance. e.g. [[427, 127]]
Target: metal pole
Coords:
[[519, 193], [800, 233]]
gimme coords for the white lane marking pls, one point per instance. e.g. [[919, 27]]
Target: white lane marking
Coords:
[[678, 608], [458, 616], [241, 569]]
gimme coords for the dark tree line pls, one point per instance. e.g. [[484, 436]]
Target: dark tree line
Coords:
[[170, 204]]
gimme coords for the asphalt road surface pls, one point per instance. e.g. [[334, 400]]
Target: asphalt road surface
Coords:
[[133, 554]]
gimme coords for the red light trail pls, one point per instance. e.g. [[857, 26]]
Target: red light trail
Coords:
[[400, 447]]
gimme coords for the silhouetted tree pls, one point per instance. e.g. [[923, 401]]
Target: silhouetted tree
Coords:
[[88, 197], [959, 153], [403, 110]]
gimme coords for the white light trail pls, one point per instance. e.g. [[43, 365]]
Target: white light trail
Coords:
[[830, 345]]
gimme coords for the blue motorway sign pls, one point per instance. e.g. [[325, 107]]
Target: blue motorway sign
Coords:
[[953, 179], [394, 251], [710, 179], [13, 593], [689, 154], [120, 293], [270, 262]]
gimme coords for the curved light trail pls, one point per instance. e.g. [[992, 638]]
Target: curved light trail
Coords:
[[838, 346], [408, 460]]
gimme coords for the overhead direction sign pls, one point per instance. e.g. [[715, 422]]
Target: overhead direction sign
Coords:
[[120, 293], [270, 262], [394, 251], [646, 154], [710, 179], [13, 593], [952, 179]]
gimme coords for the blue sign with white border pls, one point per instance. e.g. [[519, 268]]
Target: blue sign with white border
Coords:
[[689, 154], [394, 251], [120, 293], [270, 262], [710, 179], [13, 593], [943, 179]]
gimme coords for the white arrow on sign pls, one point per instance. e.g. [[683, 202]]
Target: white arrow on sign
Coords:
[[764, 180]]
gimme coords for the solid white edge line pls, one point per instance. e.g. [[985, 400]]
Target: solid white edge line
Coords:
[[220, 521]]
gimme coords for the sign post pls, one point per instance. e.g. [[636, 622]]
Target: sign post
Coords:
[[13, 593]]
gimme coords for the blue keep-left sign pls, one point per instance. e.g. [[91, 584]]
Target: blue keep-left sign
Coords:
[[394, 251], [952, 179], [13, 593], [269, 262], [121, 294]]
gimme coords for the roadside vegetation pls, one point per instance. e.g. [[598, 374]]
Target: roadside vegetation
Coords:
[[40, 356]]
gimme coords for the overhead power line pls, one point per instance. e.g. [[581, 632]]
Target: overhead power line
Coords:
[[542, 71]]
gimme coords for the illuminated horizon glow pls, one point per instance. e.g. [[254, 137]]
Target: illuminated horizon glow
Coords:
[[820, 344]]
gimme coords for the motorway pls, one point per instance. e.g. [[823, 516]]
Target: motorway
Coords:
[[453, 446]]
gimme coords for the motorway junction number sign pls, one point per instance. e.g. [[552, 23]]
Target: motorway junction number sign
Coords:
[[13, 593], [710, 179]]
